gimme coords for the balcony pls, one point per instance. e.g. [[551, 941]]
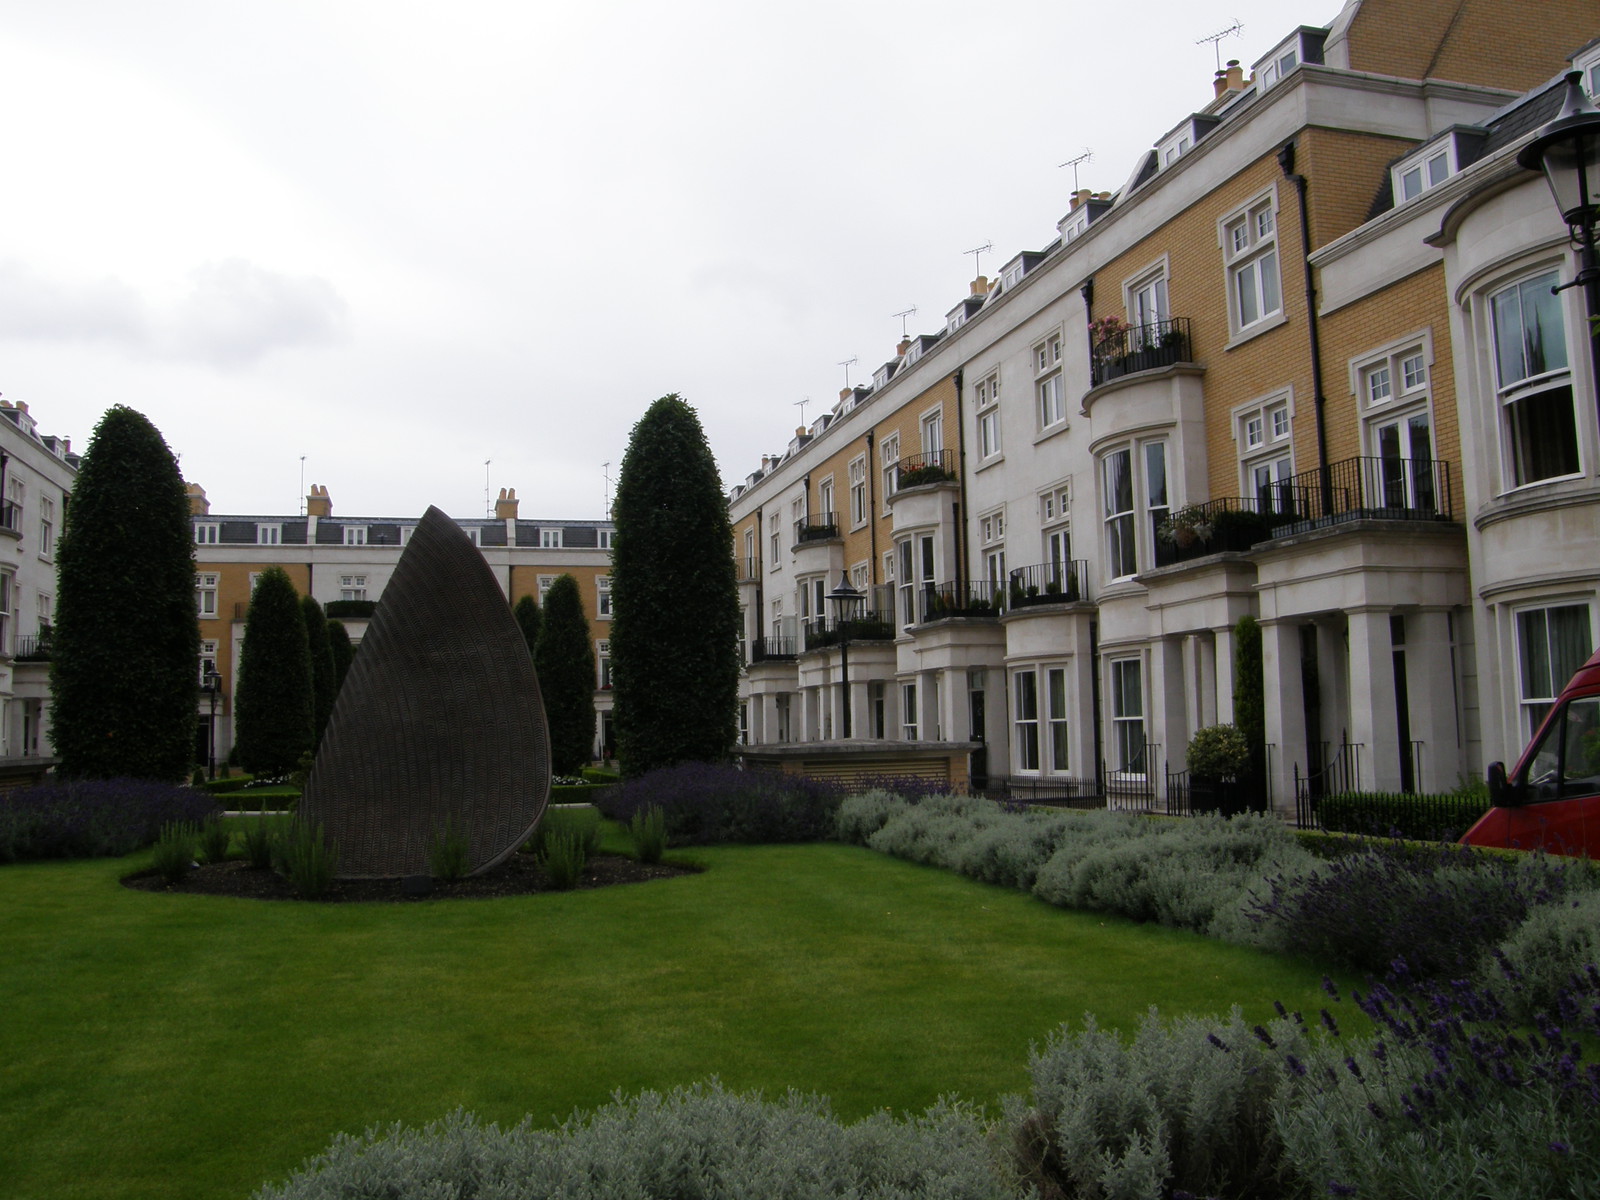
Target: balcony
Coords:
[[1049, 583], [972, 599], [916, 470], [815, 527], [35, 647], [1233, 523], [1368, 488], [773, 649], [1136, 348], [872, 625], [749, 569], [11, 518]]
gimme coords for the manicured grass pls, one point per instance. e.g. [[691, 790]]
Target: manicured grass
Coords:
[[158, 1046]]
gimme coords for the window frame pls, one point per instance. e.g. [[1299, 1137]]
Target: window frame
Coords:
[[1122, 721], [1025, 720], [1250, 254], [860, 506], [206, 583], [987, 410], [1515, 400], [206, 533], [1049, 383], [1146, 511], [1534, 708], [355, 535], [602, 597]]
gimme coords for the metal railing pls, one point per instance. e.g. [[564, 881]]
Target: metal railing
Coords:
[[1134, 785], [914, 470], [1139, 348], [816, 527], [749, 569], [35, 647], [773, 649], [1185, 797], [869, 625], [1049, 583], [1341, 773], [1392, 489], [972, 599], [1227, 523]]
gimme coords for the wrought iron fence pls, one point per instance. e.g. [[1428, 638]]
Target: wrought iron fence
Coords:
[[1227, 523], [971, 599], [1392, 489], [1049, 583], [1341, 773], [773, 649], [869, 625], [1139, 348], [914, 470]]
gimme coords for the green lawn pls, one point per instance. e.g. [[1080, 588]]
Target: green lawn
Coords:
[[162, 1046]]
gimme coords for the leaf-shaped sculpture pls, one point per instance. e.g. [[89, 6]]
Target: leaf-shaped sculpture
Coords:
[[439, 725]]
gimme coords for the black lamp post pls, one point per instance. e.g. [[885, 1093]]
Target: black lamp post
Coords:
[[211, 686], [1567, 150], [846, 601]]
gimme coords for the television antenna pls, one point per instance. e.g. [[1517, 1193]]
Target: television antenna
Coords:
[[1074, 163], [302, 485], [605, 471], [847, 364], [488, 504], [801, 405], [1234, 30], [977, 268], [910, 312]]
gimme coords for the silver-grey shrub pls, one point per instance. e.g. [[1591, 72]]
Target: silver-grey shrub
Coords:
[[1541, 956], [936, 830], [1185, 1105], [861, 815], [1196, 873], [693, 1142]]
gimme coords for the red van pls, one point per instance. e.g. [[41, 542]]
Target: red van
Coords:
[[1551, 799]]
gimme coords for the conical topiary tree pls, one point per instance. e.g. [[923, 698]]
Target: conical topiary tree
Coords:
[[1249, 699], [125, 665], [343, 652], [272, 704], [564, 662], [675, 605], [324, 683], [526, 612]]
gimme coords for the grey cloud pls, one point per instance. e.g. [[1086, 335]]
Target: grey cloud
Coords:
[[35, 308], [239, 312]]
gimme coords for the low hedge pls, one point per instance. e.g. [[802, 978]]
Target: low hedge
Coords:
[[228, 783], [601, 775], [350, 609], [1442, 817], [574, 793], [94, 818]]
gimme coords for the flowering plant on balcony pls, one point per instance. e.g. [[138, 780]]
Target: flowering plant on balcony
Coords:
[[1107, 334], [1185, 527]]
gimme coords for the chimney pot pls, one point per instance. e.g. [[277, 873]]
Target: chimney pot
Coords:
[[1235, 75], [980, 286]]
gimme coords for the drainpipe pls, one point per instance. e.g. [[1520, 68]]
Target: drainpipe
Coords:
[[1319, 401], [963, 511], [872, 515]]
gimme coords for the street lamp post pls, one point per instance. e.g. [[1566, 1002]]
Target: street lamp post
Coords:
[[212, 685], [1567, 150], [846, 601]]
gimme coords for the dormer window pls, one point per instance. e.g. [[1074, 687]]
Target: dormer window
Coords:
[[1304, 45], [1077, 223], [1427, 169], [882, 375], [914, 352], [1172, 149], [1588, 64], [1279, 66], [1011, 276], [355, 535]]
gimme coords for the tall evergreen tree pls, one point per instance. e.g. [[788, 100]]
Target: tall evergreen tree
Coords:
[[526, 611], [564, 660], [675, 604], [125, 667], [343, 652], [272, 704], [324, 683]]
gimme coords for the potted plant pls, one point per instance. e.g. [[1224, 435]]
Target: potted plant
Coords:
[[1185, 527], [1219, 755]]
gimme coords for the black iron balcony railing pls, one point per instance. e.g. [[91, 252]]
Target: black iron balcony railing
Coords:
[[1394, 489], [1049, 583], [749, 569], [816, 527], [979, 598], [869, 625], [35, 647], [918, 469], [773, 649], [1139, 348], [1227, 523]]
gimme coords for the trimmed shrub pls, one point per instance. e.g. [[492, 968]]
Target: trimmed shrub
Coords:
[[1550, 951], [351, 610], [705, 804], [93, 818], [174, 850], [1428, 818], [227, 783], [342, 651], [687, 1144], [600, 775], [573, 793], [861, 815], [324, 675], [564, 661], [273, 706], [649, 830]]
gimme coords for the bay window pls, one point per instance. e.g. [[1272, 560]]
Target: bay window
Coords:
[[1533, 381]]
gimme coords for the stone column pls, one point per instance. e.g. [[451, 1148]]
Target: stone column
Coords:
[[1222, 649], [1168, 717], [1285, 705], [1373, 716], [1432, 693]]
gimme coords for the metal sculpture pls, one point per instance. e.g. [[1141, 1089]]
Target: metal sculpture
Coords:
[[439, 729]]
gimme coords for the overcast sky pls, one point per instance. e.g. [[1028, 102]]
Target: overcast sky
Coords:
[[400, 239]]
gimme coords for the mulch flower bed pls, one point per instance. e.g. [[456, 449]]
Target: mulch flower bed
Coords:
[[520, 875]]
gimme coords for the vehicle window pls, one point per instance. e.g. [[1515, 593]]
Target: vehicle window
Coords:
[[1566, 761]]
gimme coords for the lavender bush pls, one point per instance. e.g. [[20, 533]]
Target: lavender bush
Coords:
[[705, 804], [94, 818], [1441, 909]]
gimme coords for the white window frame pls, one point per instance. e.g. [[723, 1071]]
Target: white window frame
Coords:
[[544, 583], [353, 587], [269, 534], [1393, 390], [603, 538], [602, 597], [1123, 720], [206, 533], [550, 539], [209, 648], [860, 509], [825, 499], [1049, 383], [356, 535], [931, 428], [1055, 741], [1534, 707], [1250, 250], [774, 540], [602, 664], [1150, 503], [1025, 720], [1436, 154], [1535, 385], [47, 527], [205, 587], [1145, 297], [889, 456], [987, 395], [1263, 432], [908, 711]]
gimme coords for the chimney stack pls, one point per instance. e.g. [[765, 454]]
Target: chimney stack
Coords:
[[1229, 79], [900, 350], [1079, 198], [317, 502], [980, 286], [199, 506], [505, 508]]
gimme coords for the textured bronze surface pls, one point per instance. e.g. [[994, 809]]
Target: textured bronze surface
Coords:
[[439, 723]]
